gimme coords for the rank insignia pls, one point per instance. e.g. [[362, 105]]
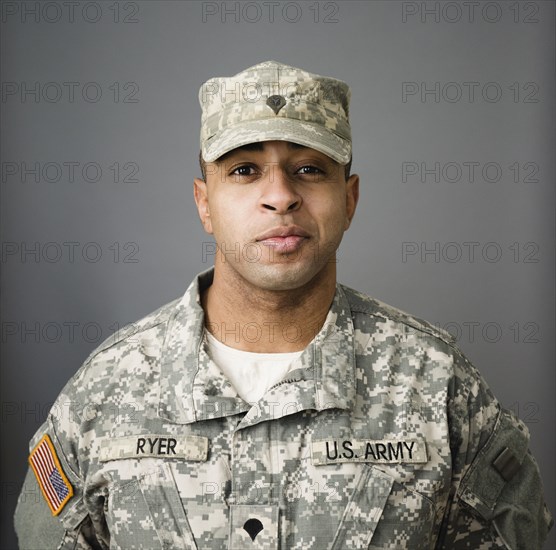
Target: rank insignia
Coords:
[[54, 484], [276, 102]]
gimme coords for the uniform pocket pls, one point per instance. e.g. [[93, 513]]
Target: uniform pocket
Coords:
[[364, 510], [383, 514], [407, 521], [147, 513]]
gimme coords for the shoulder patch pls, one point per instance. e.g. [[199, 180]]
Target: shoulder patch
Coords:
[[52, 480]]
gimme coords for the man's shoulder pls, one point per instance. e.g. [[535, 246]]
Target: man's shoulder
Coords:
[[365, 305], [417, 343], [122, 360], [131, 333]]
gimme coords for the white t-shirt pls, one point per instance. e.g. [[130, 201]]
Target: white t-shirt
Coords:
[[251, 374]]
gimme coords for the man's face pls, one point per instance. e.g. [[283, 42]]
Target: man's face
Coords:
[[277, 211]]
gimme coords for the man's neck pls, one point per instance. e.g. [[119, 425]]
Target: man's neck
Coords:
[[249, 318]]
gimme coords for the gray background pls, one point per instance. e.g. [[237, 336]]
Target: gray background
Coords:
[[168, 49]]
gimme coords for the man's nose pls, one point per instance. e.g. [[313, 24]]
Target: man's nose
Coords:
[[279, 192]]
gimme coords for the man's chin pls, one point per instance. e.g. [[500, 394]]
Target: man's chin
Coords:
[[281, 276]]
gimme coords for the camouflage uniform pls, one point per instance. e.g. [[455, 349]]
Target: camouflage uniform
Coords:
[[385, 436]]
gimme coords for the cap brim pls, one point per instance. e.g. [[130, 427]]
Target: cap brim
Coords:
[[280, 129]]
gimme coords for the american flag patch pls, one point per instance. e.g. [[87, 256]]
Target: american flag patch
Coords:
[[54, 484]]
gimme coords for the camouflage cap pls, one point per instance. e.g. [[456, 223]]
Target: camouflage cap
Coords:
[[273, 101]]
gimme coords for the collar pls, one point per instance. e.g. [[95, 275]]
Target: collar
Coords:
[[192, 387]]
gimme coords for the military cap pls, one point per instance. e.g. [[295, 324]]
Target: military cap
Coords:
[[273, 101]]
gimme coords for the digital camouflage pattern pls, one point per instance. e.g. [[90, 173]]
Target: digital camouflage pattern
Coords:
[[273, 101], [383, 437]]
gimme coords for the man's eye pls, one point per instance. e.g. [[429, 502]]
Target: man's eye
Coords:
[[243, 171], [309, 169]]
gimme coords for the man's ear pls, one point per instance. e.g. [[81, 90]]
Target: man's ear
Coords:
[[200, 193], [352, 196]]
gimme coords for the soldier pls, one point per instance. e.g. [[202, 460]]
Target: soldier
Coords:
[[270, 406]]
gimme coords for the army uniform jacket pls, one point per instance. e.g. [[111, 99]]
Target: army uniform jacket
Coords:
[[383, 437]]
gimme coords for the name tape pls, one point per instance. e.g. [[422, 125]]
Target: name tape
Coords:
[[380, 451], [188, 447]]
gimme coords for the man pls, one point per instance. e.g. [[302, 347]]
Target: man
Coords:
[[271, 407]]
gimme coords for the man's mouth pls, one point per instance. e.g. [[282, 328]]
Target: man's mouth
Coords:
[[284, 239]]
